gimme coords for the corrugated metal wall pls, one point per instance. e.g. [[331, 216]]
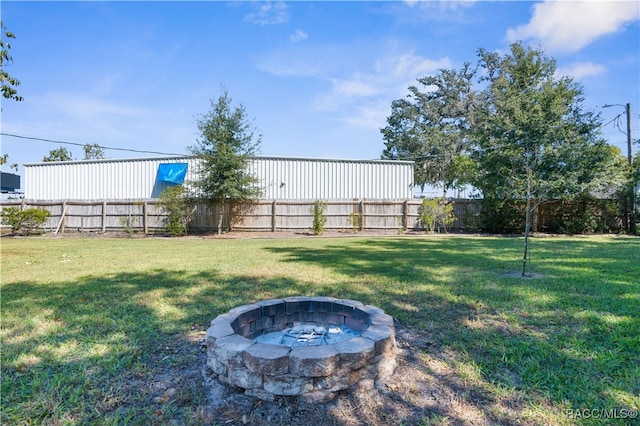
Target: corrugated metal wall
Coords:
[[96, 180], [281, 179], [311, 179]]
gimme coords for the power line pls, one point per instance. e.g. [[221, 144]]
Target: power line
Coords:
[[83, 144]]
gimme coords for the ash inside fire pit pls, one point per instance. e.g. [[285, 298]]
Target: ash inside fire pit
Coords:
[[308, 335], [310, 347]]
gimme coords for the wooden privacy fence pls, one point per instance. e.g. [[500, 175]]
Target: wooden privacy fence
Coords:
[[146, 216]]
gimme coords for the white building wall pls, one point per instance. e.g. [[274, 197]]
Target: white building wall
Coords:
[[280, 178]]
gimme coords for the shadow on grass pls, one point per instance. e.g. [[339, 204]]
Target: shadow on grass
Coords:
[[569, 340], [127, 347], [117, 349]]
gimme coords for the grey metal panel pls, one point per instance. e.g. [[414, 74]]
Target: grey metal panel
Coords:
[[96, 180], [281, 179]]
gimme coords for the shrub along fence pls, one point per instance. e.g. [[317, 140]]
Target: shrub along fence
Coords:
[[148, 217]]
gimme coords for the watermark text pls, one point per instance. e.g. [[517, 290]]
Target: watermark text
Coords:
[[601, 413]]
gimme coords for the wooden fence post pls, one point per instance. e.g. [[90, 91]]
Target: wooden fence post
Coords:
[[361, 212], [60, 224], [145, 220], [273, 216], [405, 215], [104, 217]]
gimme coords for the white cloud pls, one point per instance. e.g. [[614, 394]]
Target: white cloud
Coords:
[[87, 118], [298, 35], [409, 65], [83, 106], [269, 13], [581, 70], [389, 76], [290, 63], [366, 96], [371, 116], [355, 87], [442, 4], [360, 89], [568, 26]]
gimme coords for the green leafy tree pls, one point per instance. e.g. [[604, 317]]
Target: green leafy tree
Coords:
[[58, 154], [93, 152], [510, 127], [435, 213], [7, 82], [23, 221], [319, 217], [534, 141], [227, 142], [4, 159], [430, 127], [179, 207]]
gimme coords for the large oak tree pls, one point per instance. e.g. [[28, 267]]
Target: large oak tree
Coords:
[[519, 129]]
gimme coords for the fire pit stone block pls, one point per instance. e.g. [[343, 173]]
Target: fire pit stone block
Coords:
[[288, 384], [383, 338], [272, 360], [272, 307], [313, 361], [345, 306], [355, 353]]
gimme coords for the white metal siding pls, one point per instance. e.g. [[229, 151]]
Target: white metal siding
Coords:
[[280, 178]]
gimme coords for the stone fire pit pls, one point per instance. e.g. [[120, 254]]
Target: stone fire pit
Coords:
[[311, 368]]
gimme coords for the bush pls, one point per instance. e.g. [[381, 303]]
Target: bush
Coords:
[[179, 210], [355, 221], [499, 216], [435, 213], [319, 218], [582, 216], [23, 222]]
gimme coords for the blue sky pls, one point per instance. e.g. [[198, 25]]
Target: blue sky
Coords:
[[318, 78]]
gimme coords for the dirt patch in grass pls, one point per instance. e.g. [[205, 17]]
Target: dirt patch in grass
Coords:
[[424, 389], [518, 274]]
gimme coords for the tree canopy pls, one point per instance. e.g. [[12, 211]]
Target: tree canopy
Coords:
[[508, 125], [226, 143], [7, 82], [532, 135], [58, 154], [4, 159], [93, 152], [431, 128]]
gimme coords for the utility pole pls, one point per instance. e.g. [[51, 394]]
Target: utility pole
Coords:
[[632, 224], [631, 210], [629, 139]]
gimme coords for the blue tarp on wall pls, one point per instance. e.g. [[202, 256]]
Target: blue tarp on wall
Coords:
[[172, 172]]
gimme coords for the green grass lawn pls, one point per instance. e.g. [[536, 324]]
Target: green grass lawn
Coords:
[[87, 323]]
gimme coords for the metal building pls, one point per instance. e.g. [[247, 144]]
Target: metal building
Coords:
[[281, 178]]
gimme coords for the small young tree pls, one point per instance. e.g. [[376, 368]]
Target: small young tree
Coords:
[[23, 221], [319, 217], [434, 213], [175, 202], [227, 141]]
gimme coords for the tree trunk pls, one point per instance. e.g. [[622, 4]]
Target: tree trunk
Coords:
[[527, 227], [220, 216]]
